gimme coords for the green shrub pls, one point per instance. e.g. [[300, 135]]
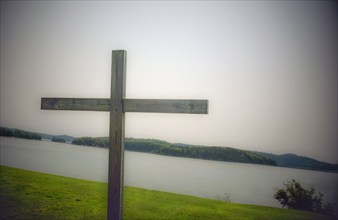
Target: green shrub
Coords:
[[294, 196]]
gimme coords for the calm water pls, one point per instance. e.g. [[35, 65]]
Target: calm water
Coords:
[[245, 183]]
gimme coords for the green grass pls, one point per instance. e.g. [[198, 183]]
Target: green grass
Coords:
[[31, 195]]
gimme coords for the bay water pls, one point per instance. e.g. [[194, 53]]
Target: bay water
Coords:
[[239, 182]]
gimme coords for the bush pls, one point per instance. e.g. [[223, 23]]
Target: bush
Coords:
[[294, 196], [224, 198]]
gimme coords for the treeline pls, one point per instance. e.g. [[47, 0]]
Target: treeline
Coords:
[[179, 150], [9, 132], [90, 141], [215, 153], [184, 150]]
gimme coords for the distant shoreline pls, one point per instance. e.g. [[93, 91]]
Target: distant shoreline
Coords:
[[160, 147]]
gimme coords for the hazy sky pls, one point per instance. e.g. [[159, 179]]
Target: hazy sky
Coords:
[[268, 69]]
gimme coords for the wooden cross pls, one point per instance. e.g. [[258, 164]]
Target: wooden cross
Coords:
[[117, 105]]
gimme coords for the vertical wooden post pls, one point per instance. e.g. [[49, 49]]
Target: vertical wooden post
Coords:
[[116, 131]]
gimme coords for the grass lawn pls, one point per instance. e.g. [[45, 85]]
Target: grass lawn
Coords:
[[31, 195]]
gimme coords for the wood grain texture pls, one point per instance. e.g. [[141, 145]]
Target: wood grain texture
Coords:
[[116, 136], [129, 105], [75, 104], [166, 106]]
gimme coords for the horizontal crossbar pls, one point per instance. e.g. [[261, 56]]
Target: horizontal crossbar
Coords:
[[129, 105]]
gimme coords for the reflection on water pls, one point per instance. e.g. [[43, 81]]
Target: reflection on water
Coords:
[[244, 183]]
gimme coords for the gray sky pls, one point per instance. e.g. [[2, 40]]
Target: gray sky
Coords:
[[267, 68]]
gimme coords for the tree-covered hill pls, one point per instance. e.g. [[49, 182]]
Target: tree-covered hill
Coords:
[[213, 153], [178, 150], [10, 132], [295, 161]]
